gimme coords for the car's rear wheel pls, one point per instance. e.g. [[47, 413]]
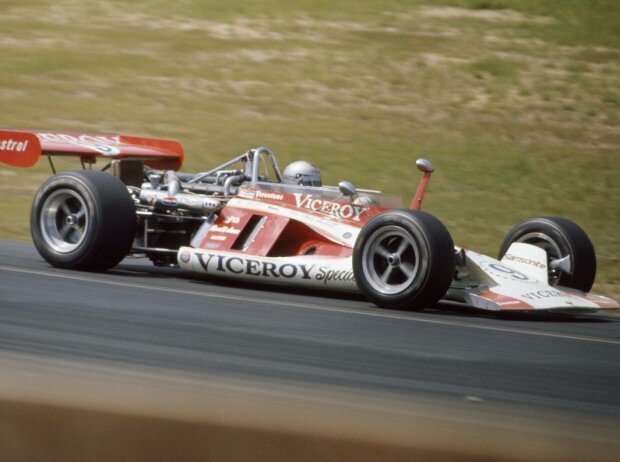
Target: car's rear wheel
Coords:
[[404, 259], [83, 220], [571, 260]]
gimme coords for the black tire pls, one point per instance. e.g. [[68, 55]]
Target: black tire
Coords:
[[404, 259], [83, 219], [560, 238]]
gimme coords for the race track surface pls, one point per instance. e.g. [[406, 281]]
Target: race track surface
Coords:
[[137, 315]]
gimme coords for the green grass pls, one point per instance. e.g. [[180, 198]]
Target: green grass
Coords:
[[515, 102]]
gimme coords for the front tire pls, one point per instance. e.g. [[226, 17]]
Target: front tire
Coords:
[[404, 259], [83, 219], [571, 259]]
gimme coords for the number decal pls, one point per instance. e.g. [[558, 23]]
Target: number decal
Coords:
[[502, 271]]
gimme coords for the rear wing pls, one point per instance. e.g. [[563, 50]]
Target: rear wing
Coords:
[[23, 148]]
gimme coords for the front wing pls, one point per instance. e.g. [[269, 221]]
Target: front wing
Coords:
[[517, 283]]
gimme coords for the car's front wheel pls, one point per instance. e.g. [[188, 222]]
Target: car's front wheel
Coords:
[[83, 220], [571, 259], [404, 259]]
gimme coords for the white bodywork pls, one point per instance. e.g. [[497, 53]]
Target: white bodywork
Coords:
[[334, 274], [518, 282]]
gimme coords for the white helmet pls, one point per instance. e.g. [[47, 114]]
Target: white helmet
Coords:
[[302, 173]]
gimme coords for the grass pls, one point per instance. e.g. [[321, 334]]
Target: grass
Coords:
[[515, 102]]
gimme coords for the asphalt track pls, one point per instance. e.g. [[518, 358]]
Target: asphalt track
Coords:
[[137, 315]]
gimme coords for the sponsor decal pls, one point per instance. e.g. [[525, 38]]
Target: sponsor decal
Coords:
[[510, 302], [335, 209], [231, 220], [347, 235], [102, 144], [250, 267], [109, 151], [269, 195], [326, 275], [170, 201], [246, 194], [113, 140], [218, 237], [543, 294], [527, 261], [185, 256], [14, 146], [211, 204], [19, 149], [224, 229]]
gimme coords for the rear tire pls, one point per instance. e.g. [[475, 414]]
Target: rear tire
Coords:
[[83, 220], [404, 259], [560, 238]]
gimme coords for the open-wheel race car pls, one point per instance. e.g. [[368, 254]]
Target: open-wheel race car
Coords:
[[246, 219]]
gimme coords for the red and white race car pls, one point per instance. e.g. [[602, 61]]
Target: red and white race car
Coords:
[[245, 219]]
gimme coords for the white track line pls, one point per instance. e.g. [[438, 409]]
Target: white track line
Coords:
[[289, 304]]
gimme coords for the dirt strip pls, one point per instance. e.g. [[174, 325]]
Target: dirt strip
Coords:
[[61, 411]]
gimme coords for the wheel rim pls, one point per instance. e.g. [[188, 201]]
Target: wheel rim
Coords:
[[554, 253], [64, 220], [391, 260]]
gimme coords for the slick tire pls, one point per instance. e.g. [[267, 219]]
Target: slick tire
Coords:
[[404, 259], [83, 219], [560, 238]]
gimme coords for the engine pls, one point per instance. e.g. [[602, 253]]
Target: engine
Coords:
[[171, 209]]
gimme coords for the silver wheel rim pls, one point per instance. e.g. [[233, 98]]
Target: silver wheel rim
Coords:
[[391, 260], [64, 220], [549, 245]]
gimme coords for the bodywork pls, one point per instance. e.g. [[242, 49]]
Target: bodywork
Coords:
[[237, 223]]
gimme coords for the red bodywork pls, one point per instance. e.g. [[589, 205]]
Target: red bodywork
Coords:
[[277, 235]]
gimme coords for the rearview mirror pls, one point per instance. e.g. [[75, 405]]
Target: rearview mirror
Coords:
[[347, 188]]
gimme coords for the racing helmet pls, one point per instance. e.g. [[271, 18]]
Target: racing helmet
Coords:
[[302, 173]]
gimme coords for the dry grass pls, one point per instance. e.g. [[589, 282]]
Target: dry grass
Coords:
[[514, 103]]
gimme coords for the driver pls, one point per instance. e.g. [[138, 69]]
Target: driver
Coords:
[[302, 173]]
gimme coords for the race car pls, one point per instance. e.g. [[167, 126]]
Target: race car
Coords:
[[248, 220]]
